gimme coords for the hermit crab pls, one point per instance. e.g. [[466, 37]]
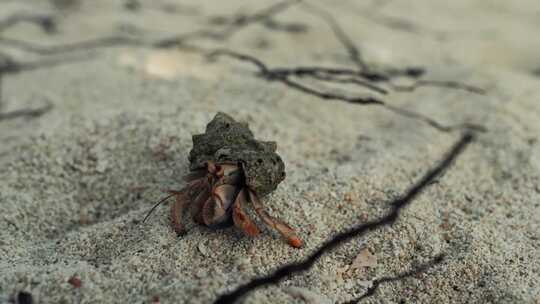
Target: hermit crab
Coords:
[[229, 171]]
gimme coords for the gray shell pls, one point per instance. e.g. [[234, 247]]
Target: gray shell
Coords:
[[228, 140]]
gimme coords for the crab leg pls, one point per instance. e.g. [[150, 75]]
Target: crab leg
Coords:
[[197, 185], [195, 175], [177, 209], [183, 197], [207, 210], [215, 209], [198, 204], [228, 173], [285, 230], [240, 218]]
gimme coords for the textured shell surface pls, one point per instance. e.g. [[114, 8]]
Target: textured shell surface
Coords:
[[228, 140]]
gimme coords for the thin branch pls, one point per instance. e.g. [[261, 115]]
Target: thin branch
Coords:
[[354, 52], [415, 271], [45, 22], [1, 91], [220, 34], [332, 75], [289, 27], [362, 77], [29, 113], [376, 76], [283, 75], [181, 39], [357, 231], [436, 83], [168, 8], [4, 59], [343, 38], [85, 45], [433, 123], [265, 13], [225, 32], [363, 100], [263, 69], [10, 66]]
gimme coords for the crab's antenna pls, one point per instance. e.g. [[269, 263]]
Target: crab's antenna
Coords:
[[157, 204]]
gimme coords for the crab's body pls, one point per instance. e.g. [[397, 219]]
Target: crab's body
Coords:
[[229, 170]]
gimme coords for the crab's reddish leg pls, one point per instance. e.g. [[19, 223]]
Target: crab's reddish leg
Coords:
[[285, 230], [198, 204], [228, 173], [240, 218], [195, 175], [215, 210], [183, 198], [177, 210], [206, 213], [202, 188], [211, 167]]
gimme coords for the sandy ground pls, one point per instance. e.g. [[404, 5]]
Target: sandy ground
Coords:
[[76, 182]]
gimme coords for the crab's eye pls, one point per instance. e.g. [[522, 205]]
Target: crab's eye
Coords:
[[260, 161], [227, 125]]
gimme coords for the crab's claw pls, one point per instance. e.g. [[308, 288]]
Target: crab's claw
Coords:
[[240, 218], [285, 230]]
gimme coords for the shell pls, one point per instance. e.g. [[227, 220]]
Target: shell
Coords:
[[228, 140]]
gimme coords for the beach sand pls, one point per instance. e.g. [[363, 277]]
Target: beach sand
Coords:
[[76, 182]]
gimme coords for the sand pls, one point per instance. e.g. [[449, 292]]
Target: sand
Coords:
[[76, 182]]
